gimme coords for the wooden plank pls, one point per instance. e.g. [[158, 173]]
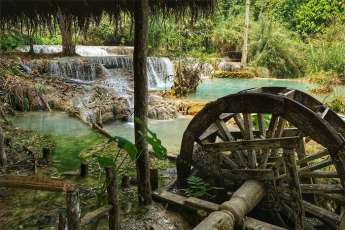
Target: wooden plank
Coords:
[[254, 224], [95, 215], [248, 127], [201, 204], [169, 197], [261, 124], [321, 188], [315, 156], [224, 131], [36, 183], [320, 174], [294, 187], [316, 166], [252, 144], [327, 216]]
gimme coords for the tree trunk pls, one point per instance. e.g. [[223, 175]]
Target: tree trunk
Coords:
[[66, 27], [140, 99], [113, 199], [245, 35]]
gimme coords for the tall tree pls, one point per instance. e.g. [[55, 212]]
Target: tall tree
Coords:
[[66, 28], [140, 99], [245, 35]]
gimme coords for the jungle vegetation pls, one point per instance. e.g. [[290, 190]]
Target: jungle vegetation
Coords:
[[289, 38]]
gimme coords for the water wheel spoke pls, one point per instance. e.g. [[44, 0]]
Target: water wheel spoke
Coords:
[[328, 217], [320, 174], [289, 93], [321, 188], [261, 124], [239, 122], [320, 154], [248, 127], [208, 132], [224, 130], [229, 163], [319, 165]]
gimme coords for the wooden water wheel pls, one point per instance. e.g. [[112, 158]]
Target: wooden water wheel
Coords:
[[283, 138]]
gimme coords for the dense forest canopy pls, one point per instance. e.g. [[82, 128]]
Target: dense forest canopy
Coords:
[[290, 38]]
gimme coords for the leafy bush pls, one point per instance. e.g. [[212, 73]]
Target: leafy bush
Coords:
[[315, 15], [11, 40], [326, 51], [279, 50]]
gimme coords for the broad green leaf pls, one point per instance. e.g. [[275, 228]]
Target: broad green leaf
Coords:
[[128, 146], [106, 161]]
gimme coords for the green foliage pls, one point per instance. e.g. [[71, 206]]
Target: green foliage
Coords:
[[197, 187], [128, 146], [159, 150], [279, 50], [11, 40], [314, 15], [337, 104]]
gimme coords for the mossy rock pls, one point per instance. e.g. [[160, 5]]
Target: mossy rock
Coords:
[[246, 74]]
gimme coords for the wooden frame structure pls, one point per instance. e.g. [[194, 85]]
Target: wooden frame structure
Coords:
[[274, 125], [74, 220]]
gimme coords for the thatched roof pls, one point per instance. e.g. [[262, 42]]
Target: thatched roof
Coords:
[[43, 12]]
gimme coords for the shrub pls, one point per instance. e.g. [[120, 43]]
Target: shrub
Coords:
[[277, 49]]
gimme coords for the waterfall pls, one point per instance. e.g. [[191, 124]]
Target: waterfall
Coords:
[[85, 51], [160, 70], [72, 69]]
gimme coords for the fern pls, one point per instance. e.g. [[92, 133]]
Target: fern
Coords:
[[197, 187]]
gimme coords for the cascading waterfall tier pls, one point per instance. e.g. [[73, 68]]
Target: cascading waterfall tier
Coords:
[[160, 70]]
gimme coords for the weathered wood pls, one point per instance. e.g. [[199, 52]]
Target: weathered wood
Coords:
[[201, 204], [219, 220], [252, 144], [320, 174], [141, 18], [312, 157], [316, 166], [321, 188], [240, 123], [254, 224], [95, 215], [113, 198], [62, 222], [244, 199], [84, 170], [154, 177], [248, 127], [338, 198], [224, 130], [228, 162], [3, 157], [294, 187], [36, 183], [272, 126], [329, 217], [261, 124], [73, 210]]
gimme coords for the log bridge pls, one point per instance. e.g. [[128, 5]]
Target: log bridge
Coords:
[[275, 149], [73, 212]]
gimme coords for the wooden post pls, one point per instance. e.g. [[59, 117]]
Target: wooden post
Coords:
[[294, 187], [73, 210], [84, 170], [140, 99], [62, 221], [3, 158], [46, 153], [154, 178], [113, 199], [125, 181]]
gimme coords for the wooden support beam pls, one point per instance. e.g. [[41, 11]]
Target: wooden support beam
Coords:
[[201, 204], [329, 217], [36, 183], [248, 127], [261, 123], [247, 174], [3, 157], [320, 174], [294, 187], [254, 224], [113, 198], [322, 188], [273, 143], [316, 166], [303, 160], [73, 210]]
